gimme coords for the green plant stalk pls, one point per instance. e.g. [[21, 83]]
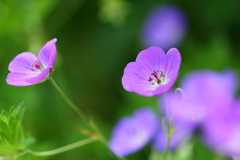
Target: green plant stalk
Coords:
[[64, 148], [84, 118], [165, 154], [169, 135], [71, 104]]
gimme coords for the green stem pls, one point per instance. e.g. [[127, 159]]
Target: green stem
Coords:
[[169, 135], [75, 108], [165, 154], [71, 104], [64, 148]]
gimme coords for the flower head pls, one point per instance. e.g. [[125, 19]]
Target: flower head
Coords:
[[153, 73], [132, 133], [205, 102], [205, 92], [165, 27], [221, 130], [27, 69]]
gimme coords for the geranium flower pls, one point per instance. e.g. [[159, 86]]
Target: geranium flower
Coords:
[[221, 130], [205, 92], [27, 69], [205, 101], [153, 72], [165, 27], [132, 133]]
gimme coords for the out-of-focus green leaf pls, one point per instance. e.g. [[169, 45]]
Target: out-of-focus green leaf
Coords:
[[12, 137], [4, 113], [114, 11]]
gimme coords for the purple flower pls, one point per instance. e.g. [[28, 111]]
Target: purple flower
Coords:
[[132, 133], [221, 130], [153, 72], [183, 127], [165, 27], [27, 69], [205, 92]]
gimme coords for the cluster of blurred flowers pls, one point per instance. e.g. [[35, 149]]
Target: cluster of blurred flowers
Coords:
[[205, 101]]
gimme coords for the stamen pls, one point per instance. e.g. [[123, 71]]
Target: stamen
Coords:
[[158, 78], [162, 75], [150, 79], [36, 66]]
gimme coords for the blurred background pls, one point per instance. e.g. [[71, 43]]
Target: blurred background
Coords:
[[96, 40]]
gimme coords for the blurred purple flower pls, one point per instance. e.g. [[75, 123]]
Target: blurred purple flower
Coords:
[[132, 133], [183, 128], [26, 69], [206, 91], [221, 130], [153, 72], [203, 94], [165, 27]]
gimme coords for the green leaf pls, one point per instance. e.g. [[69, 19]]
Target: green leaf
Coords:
[[12, 110], [20, 106], [4, 113], [13, 139]]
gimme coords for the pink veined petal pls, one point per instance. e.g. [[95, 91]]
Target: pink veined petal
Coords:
[[19, 79], [173, 61], [23, 62], [40, 77], [47, 54], [153, 57], [135, 78]]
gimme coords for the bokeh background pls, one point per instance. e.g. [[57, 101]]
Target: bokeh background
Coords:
[[96, 39]]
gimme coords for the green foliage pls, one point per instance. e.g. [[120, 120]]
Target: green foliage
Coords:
[[13, 140], [114, 11]]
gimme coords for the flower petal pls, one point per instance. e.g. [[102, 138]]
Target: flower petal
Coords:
[[173, 61], [135, 79], [153, 57], [210, 88], [40, 77], [19, 79], [132, 133], [22, 63], [47, 54]]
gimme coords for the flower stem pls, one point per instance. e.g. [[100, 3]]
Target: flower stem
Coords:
[[165, 154], [169, 134], [64, 148], [74, 107], [84, 118]]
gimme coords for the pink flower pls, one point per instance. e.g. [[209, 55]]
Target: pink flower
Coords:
[[165, 26], [27, 69], [153, 73], [132, 133]]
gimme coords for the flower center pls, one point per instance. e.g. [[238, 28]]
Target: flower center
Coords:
[[36, 66], [157, 78]]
